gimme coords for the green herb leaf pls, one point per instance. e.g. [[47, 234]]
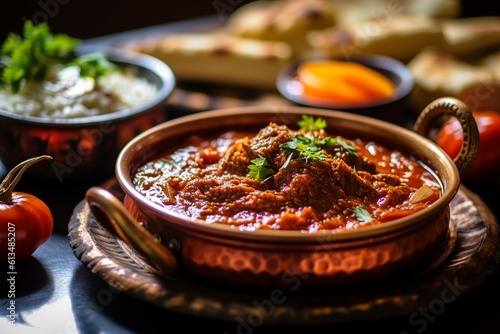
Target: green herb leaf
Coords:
[[30, 58], [306, 147], [308, 123], [288, 159], [259, 169], [12, 42], [348, 148], [326, 142], [309, 147], [307, 152], [362, 214], [93, 65], [60, 46]]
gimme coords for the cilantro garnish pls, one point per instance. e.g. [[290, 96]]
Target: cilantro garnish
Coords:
[[362, 214], [259, 169], [30, 57], [304, 147], [307, 148], [348, 148], [308, 123], [287, 162], [93, 65]]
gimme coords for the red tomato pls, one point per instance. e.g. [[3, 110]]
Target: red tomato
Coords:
[[25, 221], [25, 224], [488, 159]]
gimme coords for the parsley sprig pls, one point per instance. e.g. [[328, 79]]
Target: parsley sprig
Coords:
[[304, 147], [308, 123], [310, 147], [348, 148], [259, 169], [362, 214], [30, 57], [93, 65]]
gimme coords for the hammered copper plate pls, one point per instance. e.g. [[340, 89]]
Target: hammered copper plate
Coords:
[[468, 259]]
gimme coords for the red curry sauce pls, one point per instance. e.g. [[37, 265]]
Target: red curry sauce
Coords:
[[355, 183]]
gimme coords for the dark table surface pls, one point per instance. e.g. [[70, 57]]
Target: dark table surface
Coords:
[[56, 293]]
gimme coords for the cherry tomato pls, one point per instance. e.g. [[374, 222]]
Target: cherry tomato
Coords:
[[25, 221], [488, 159]]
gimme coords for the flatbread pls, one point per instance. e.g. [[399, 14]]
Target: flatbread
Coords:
[[286, 21], [437, 74], [402, 37], [219, 58], [349, 12], [470, 37]]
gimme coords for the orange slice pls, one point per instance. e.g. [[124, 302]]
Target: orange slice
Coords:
[[344, 82]]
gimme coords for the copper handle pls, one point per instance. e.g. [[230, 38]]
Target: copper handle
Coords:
[[449, 106], [110, 210]]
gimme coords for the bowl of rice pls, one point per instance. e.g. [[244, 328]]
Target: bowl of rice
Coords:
[[83, 122]]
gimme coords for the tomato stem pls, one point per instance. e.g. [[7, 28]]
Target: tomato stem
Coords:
[[10, 181]]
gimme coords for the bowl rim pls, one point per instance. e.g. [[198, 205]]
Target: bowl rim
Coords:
[[375, 61], [172, 128], [151, 64]]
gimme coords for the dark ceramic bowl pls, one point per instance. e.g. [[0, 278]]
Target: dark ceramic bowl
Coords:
[[86, 145], [395, 70]]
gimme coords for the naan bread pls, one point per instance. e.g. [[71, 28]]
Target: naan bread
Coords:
[[438, 74], [348, 12], [286, 21], [291, 21], [400, 37], [219, 59], [470, 37], [492, 62]]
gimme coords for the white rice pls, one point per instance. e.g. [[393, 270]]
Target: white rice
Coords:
[[70, 96]]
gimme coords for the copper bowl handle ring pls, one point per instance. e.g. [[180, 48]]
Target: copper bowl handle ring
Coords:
[[445, 107], [108, 209]]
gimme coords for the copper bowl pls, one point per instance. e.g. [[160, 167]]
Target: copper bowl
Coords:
[[271, 258], [86, 145]]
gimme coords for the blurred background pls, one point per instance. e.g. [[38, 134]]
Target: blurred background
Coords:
[[91, 18]]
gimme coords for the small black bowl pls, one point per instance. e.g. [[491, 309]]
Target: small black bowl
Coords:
[[392, 109]]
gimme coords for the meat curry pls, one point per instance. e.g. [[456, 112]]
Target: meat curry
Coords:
[[285, 179]]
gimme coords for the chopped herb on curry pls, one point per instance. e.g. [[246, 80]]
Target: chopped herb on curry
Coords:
[[259, 169], [308, 123], [307, 146], [362, 214]]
